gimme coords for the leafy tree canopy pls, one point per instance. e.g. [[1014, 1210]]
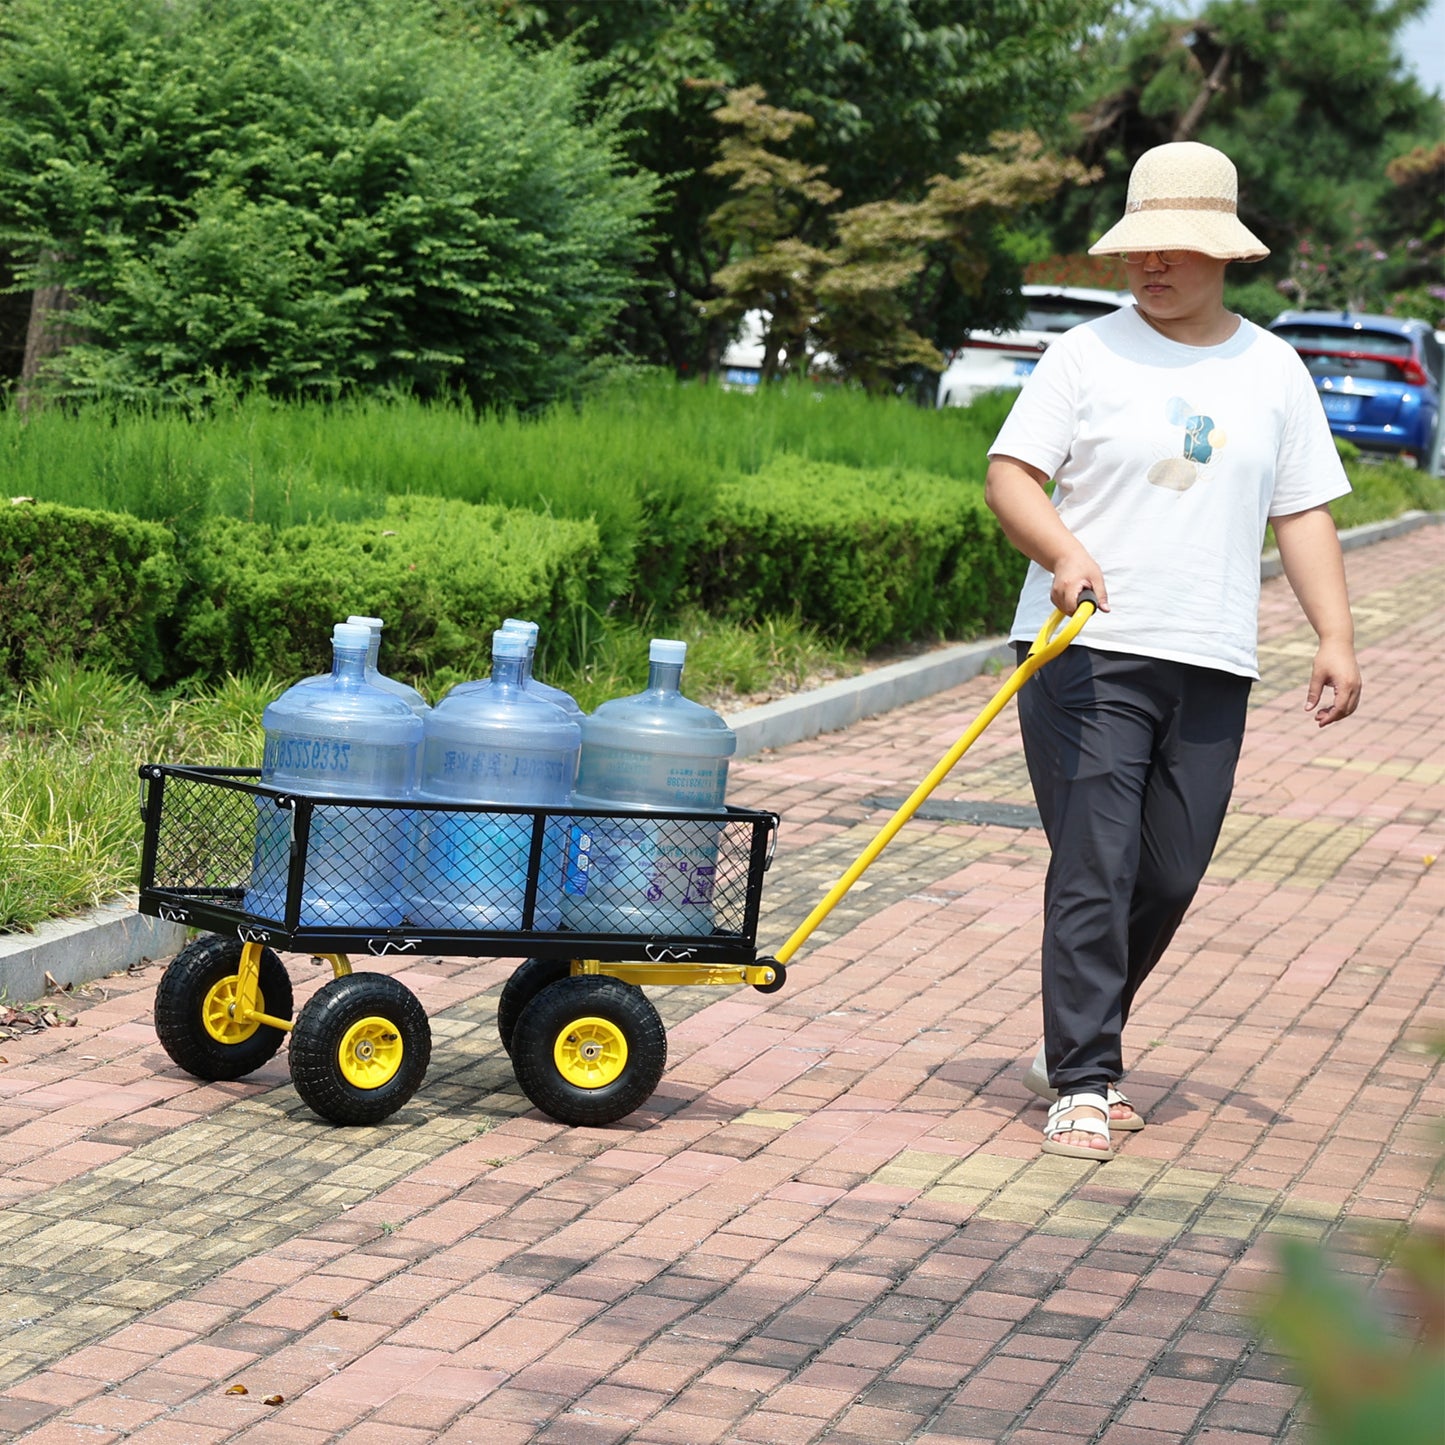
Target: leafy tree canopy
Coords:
[[1312, 102], [894, 90], [309, 196]]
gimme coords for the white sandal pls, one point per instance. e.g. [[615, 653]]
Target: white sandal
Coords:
[[1057, 1124], [1036, 1081]]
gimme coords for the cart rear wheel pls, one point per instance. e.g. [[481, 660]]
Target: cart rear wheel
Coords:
[[528, 979], [194, 1010], [589, 1050], [360, 1048]]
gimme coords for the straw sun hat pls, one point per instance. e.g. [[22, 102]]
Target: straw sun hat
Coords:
[[1183, 197]]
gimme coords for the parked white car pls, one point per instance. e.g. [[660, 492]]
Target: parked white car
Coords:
[[742, 361], [998, 361]]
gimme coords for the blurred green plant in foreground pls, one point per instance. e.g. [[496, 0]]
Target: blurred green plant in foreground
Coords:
[[1368, 1382]]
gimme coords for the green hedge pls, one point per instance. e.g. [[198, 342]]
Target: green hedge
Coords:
[[442, 575], [866, 556], [83, 586]]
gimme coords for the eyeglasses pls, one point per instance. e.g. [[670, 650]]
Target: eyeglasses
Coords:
[[1166, 258]]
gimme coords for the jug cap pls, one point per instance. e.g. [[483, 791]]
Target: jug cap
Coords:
[[666, 649], [529, 630], [508, 644], [349, 634], [375, 624]]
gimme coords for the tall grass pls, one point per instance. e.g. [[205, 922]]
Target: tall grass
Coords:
[[622, 449], [70, 827]]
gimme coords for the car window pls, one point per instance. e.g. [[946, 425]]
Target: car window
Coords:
[[1335, 338], [1058, 313]]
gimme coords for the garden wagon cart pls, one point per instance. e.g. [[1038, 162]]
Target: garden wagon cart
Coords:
[[587, 1045]]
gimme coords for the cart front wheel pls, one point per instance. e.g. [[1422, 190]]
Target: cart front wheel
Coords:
[[589, 1050], [528, 979], [360, 1048], [195, 1010]]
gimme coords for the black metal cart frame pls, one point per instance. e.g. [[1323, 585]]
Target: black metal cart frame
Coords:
[[359, 1049]]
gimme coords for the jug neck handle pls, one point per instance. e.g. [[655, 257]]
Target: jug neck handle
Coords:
[[507, 671], [664, 677], [348, 665]]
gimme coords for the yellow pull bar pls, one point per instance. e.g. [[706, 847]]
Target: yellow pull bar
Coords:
[[1045, 647]]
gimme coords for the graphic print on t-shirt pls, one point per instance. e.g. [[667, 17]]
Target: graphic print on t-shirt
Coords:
[[1201, 439]]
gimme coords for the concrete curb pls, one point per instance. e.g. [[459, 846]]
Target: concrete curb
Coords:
[[826, 709], [113, 937], [81, 949]]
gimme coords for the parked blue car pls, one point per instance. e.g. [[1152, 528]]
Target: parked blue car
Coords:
[[1378, 376]]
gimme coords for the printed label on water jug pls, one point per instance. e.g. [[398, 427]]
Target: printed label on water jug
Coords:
[[497, 766], [682, 881], [306, 755]]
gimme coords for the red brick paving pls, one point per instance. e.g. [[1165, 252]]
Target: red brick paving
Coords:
[[831, 1222]]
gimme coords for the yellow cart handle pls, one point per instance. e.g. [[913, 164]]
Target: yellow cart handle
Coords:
[[1052, 639]]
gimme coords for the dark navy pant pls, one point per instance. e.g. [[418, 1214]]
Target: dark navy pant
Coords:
[[1132, 761]]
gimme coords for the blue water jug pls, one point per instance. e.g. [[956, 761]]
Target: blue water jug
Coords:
[[534, 685], [341, 738], [544, 690], [408, 694], [652, 751], [496, 742], [374, 675]]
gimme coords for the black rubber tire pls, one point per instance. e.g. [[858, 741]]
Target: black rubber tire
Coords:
[[528, 979], [179, 1015], [782, 976], [317, 1064], [547, 1020]]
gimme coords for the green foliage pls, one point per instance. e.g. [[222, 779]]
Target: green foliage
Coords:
[[1312, 102], [1366, 1383], [70, 743], [867, 557], [309, 196], [82, 585], [641, 458], [442, 574], [1385, 489], [897, 89]]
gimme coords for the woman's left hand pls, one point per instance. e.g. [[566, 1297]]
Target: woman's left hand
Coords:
[[1335, 668]]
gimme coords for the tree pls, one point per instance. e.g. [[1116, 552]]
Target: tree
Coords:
[[896, 89], [1310, 101], [862, 284], [308, 196]]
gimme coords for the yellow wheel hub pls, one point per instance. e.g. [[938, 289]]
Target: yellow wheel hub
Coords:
[[591, 1053], [371, 1052], [218, 1012]]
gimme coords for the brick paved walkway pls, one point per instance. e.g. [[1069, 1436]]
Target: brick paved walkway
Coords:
[[832, 1222]]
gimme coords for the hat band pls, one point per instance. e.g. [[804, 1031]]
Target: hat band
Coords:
[[1182, 203]]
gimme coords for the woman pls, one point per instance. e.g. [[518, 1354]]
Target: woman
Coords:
[[1173, 432]]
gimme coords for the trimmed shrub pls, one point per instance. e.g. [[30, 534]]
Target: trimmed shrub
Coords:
[[441, 574], [866, 556], [82, 586]]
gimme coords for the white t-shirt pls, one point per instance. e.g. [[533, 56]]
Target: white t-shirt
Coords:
[[1168, 461]]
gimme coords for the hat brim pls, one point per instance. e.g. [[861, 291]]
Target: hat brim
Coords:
[[1224, 237]]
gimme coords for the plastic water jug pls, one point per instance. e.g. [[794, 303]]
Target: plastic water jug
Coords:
[[548, 693], [342, 738], [563, 699], [498, 742], [656, 750], [408, 694]]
